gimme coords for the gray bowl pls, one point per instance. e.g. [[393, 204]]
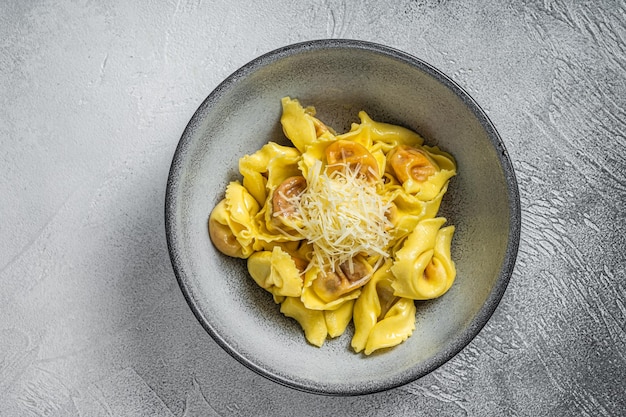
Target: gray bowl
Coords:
[[339, 78]]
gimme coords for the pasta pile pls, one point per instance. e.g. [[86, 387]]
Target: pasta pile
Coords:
[[342, 227]]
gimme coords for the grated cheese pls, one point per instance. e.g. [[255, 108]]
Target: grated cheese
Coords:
[[342, 216]]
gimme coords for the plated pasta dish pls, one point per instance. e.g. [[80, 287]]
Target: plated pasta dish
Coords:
[[342, 228]]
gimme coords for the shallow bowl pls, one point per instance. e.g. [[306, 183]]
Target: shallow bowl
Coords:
[[339, 78]]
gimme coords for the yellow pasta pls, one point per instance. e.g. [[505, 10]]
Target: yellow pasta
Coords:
[[337, 320], [381, 318], [422, 267], [312, 298], [276, 272], [312, 321], [394, 328], [264, 170], [342, 228], [231, 224]]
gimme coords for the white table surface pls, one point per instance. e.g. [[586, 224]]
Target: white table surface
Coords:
[[93, 99]]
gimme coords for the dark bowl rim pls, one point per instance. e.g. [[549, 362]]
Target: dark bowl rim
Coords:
[[457, 344]]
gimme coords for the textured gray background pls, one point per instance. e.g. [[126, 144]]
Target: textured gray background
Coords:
[[93, 99]]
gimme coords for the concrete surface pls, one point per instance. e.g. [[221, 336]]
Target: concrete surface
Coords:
[[93, 99]]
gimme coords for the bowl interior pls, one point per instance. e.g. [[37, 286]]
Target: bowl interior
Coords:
[[340, 78]]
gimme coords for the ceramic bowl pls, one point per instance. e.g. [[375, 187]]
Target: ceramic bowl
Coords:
[[339, 78]]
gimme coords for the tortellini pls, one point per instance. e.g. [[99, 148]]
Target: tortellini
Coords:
[[276, 271], [423, 268], [231, 224], [422, 172], [362, 249], [381, 318], [264, 170], [311, 321], [326, 298]]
